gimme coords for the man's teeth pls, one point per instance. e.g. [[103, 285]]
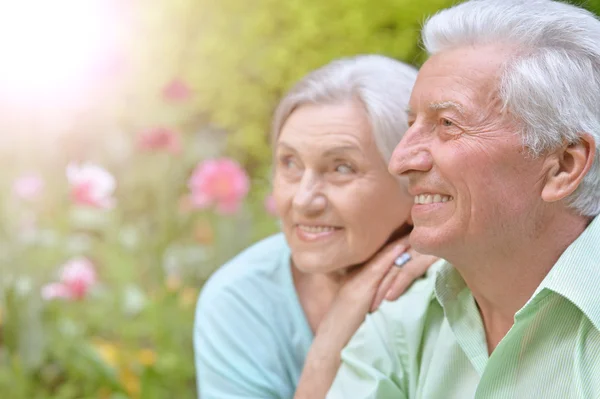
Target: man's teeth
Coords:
[[431, 198], [315, 229]]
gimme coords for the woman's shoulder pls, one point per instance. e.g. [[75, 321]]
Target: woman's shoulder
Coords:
[[262, 266]]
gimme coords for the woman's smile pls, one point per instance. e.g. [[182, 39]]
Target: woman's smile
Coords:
[[314, 232]]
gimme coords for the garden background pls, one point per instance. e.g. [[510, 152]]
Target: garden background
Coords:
[[135, 161]]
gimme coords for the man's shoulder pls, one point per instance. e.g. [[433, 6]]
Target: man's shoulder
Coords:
[[386, 352], [417, 298], [406, 318]]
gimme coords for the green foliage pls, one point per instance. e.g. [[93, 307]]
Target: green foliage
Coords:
[[241, 57], [131, 336], [247, 54]]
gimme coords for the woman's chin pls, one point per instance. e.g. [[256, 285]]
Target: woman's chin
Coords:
[[318, 267]]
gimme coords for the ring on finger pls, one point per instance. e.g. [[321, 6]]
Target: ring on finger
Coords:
[[402, 260]]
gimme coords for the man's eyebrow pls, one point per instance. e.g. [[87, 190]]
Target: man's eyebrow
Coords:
[[447, 105]]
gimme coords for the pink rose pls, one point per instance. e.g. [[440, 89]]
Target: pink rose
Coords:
[[28, 187], [91, 185], [176, 90], [220, 182], [160, 138], [77, 277], [55, 291]]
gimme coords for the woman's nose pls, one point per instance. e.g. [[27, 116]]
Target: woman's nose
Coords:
[[309, 196]]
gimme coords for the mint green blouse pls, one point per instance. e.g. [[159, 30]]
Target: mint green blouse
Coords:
[[251, 336]]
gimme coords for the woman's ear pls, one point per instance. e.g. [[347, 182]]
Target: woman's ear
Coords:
[[569, 166]]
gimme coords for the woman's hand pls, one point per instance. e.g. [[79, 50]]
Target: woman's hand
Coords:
[[398, 279], [362, 291], [365, 289]]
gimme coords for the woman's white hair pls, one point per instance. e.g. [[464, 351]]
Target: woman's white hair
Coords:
[[552, 82], [381, 84]]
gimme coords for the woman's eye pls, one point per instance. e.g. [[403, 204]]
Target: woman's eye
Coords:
[[344, 169], [288, 162]]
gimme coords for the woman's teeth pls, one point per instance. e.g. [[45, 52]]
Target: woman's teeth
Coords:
[[315, 229]]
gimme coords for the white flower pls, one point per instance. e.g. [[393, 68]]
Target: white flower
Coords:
[[91, 185]]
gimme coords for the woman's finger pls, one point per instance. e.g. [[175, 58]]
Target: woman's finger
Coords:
[[386, 283], [362, 286], [414, 269], [376, 268], [384, 287]]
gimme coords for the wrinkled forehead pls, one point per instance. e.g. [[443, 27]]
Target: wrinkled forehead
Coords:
[[327, 125], [460, 78]]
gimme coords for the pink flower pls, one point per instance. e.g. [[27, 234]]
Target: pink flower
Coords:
[[91, 185], [270, 205], [54, 291], [28, 187], [160, 138], [176, 90], [77, 277], [220, 182]]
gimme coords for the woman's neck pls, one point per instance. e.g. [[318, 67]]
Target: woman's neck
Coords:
[[316, 292]]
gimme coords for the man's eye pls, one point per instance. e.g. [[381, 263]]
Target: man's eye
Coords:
[[447, 122], [344, 169]]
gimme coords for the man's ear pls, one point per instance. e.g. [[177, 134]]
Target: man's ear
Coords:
[[569, 165]]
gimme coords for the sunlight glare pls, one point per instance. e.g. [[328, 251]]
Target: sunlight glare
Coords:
[[49, 49]]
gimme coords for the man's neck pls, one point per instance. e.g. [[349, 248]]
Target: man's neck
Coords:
[[504, 277]]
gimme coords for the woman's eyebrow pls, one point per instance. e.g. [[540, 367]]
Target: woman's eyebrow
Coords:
[[337, 150], [341, 150], [285, 146]]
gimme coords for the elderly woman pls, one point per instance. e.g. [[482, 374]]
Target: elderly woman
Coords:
[[264, 312]]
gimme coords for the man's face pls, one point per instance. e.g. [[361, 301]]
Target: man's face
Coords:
[[477, 186]]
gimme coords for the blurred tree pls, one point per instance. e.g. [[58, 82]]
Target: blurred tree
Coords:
[[240, 57], [249, 53]]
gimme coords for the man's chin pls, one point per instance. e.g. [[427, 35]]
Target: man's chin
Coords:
[[427, 242]]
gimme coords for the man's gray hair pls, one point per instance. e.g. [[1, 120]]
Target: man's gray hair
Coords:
[[551, 84], [381, 84]]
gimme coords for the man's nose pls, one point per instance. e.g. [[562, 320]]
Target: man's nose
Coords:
[[413, 152], [309, 197]]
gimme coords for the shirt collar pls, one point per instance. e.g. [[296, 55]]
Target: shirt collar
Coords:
[[575, 276], [448, 284]]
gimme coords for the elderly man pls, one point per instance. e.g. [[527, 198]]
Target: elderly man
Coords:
[[503, 159]]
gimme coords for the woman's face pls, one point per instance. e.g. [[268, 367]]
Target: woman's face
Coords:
[[337, 202]]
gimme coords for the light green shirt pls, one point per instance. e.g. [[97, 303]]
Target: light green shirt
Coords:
[[431, 344]]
